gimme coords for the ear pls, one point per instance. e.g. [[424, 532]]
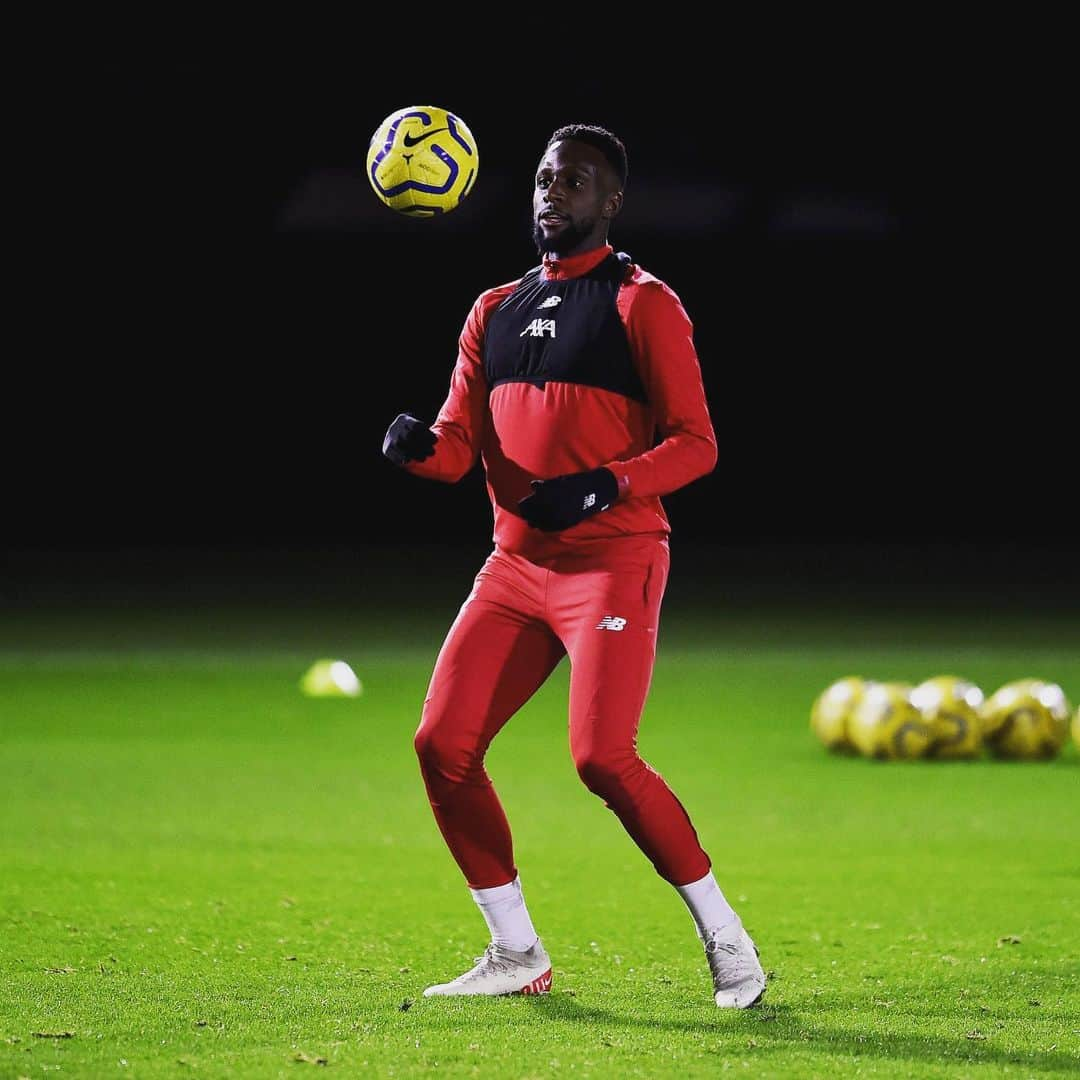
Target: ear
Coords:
[[613, 204]]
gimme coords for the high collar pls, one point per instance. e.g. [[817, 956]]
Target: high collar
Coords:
[[571, 266]]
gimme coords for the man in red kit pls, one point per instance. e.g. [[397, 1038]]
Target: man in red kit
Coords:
[[578, 386]]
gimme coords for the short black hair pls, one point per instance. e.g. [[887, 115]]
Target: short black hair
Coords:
[[610, 145]]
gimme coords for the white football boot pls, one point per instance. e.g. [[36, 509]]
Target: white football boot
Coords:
[[502, 971], [737, 975]]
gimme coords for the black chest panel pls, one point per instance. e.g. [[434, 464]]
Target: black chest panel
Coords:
[[563, 331]]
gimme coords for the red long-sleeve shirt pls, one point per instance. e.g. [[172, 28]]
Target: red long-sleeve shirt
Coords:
[[525, 431]]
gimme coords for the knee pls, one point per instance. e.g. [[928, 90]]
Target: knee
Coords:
[[604, 774], [440, 752]]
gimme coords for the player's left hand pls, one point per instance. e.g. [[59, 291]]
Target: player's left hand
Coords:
[[567, 500]]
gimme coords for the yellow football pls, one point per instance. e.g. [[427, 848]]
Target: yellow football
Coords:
[[1026, 719], [831, 709], [422, 161], [885, 723], [950, 705]]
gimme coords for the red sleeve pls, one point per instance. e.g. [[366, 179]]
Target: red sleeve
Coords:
[[662, 343], [459, 426]]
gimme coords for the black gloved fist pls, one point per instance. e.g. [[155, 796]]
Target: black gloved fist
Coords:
[[566, 500], [408, 439]]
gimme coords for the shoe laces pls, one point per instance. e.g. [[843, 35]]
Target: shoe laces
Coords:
[[492, 962], [726, 959]]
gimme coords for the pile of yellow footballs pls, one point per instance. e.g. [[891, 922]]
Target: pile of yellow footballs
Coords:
[[944, 717]]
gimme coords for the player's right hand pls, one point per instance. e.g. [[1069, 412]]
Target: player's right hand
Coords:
[[408, 439]]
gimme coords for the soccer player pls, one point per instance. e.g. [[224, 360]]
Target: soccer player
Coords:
[[579, 387]]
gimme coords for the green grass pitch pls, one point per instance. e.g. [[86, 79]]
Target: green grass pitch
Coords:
[[204, 872]]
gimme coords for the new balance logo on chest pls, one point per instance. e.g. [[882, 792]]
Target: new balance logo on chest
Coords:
[[539, 327]]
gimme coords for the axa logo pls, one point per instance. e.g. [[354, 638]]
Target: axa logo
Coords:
[[611, 622], [539, 327], [551, 301]]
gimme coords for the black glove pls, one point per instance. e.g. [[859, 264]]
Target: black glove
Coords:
[[408, 439], [565, 500]]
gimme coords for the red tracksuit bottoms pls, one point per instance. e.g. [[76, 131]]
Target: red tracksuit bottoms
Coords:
[[600, 609]]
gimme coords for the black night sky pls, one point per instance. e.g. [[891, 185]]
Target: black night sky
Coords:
[[246, 319]]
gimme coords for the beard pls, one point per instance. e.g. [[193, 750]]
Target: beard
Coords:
[[566, 239]]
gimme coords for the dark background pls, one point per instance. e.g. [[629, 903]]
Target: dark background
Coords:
[[238, 320]]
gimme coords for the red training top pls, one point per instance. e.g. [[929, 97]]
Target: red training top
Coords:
[[525, 431]]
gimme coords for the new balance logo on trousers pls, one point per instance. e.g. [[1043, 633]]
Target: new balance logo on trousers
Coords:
[[611, 622]]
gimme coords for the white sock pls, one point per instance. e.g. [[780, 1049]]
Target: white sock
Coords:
[[708, 907], [507, 916]]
